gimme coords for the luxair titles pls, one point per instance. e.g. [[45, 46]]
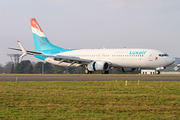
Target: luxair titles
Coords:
[[137, 52]]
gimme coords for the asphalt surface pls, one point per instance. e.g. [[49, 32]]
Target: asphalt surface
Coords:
[[85, 78]]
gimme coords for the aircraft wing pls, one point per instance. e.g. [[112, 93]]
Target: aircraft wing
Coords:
[[67, 59]]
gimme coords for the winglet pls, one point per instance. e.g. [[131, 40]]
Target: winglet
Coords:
[[23, 50]]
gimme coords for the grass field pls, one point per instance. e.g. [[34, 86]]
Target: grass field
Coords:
[[90, 100]]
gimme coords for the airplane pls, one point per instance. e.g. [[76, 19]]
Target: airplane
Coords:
[[125, 60]]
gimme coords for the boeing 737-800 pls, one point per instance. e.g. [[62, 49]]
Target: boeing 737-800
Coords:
[[126, 60]]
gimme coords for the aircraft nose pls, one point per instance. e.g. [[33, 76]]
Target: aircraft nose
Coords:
[[171, 61]]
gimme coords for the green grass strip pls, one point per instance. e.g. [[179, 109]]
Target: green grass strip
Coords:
[[90, 100]]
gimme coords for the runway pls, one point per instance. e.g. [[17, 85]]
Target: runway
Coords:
[[86, 78]]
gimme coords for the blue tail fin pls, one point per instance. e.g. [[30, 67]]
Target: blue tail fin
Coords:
[[41, 42]]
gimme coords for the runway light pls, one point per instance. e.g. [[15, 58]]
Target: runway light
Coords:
[[126, 83]]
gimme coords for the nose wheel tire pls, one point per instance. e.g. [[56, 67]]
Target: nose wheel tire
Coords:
[[158, 72]]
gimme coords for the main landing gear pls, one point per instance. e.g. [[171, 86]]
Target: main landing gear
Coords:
[[105, 72], [88, 72]]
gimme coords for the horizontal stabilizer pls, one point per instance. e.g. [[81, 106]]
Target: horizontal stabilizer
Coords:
[[28, 52]]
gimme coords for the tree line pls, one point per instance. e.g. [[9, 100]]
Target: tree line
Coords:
[[28, 67]]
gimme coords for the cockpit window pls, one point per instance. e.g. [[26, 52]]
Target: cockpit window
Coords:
[[162, 55]]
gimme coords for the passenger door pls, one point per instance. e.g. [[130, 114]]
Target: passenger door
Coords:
[[151, 57]]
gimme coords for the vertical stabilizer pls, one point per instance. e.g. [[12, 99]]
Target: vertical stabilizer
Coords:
[[41, 42]]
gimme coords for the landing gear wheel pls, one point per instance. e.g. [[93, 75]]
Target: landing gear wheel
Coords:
[[105, 72], [158, 72], [88, 72]]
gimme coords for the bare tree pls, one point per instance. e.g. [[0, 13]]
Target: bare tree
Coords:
[[1, 69]]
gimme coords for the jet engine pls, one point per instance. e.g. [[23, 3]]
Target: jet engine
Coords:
[[98, 65], [127, 69]]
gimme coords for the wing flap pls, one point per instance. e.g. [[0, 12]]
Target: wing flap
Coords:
[[67, 59]]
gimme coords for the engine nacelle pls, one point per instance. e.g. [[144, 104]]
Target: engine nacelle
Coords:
[[127, 69], [98, 65]]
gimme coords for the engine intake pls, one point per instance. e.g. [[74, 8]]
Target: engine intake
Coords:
[[98, 65]]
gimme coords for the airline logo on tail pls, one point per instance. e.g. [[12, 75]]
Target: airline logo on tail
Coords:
[[36, 29]]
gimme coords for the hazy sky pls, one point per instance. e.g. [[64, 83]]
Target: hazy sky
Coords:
[[153, 24]]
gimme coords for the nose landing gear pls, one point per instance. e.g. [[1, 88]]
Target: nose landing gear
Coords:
[[157, 72]]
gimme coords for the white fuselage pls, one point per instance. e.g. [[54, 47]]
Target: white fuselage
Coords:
[[121, 58]]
